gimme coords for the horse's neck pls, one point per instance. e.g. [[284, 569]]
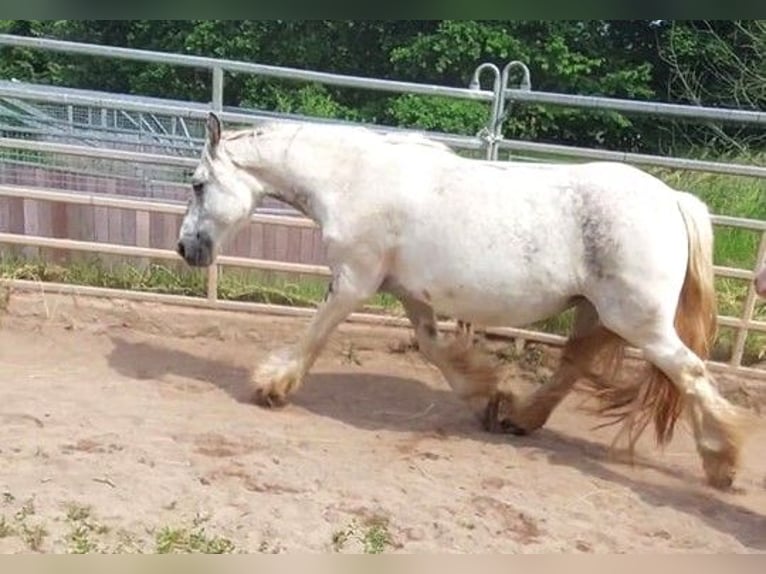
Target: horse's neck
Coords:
[[305, 201], [309, 173]]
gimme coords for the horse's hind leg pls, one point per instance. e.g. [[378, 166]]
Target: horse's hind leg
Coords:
[[717, 425], [283, 371], [679, 382], [522, 415], [470, 374]]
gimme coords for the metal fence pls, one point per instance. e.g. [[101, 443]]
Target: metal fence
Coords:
[[153, 143]]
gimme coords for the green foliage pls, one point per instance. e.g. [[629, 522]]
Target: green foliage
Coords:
[[24, 63], [311, 100], [717, 63], [190, 541], [233, 284], [438, 114], [372, 535], [727, 195]]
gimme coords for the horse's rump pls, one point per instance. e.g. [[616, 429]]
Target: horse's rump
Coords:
[[653, 397]]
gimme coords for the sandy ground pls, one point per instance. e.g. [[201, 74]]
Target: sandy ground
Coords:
[[127, 427]]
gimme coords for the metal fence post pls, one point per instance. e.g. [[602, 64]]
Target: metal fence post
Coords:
[[217, 89], [488, 132], [502, 111], [738, 351]]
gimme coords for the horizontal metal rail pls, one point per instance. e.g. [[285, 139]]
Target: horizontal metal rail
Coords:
[[99, 176], [196, 110], [740, 222], [396, 86], [461, 142], [108, 136], [635, 158], [98, 153], [684, 111], [280, 72]]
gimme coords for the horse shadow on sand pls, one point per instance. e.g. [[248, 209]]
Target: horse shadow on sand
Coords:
[[381, 402]]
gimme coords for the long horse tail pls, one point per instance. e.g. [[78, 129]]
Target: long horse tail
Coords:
[[654, 397], [696, 315]]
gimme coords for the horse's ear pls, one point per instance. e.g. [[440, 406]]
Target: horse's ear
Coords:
[[213, 128]]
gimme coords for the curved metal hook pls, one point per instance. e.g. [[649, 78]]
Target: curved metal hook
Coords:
[[475, 84], [502, 111]]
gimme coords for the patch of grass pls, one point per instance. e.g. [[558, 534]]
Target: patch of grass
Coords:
[[6, 528], [170, 540], [373, 535], [233, 284], [5, 297], [27, 509], [33, 535], [80, 541], [77, 512], [82, 529], [341, 537], [376, 538]]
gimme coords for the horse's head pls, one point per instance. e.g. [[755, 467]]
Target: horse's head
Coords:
[[223, 198]]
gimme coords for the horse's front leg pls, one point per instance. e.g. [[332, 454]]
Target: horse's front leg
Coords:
[[283, 371]]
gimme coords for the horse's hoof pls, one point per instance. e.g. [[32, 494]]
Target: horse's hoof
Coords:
[[722, 478], [496, 418], [497, 425], [268, 399], [507, 426], [721, 483], [489, 419]]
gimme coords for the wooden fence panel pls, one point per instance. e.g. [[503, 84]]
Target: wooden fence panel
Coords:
[[128, 227], [256, 240], [5, 215]]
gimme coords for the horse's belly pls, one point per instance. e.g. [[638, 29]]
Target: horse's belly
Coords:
[[502, 308]]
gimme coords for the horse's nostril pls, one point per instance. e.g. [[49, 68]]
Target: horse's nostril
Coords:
[[198, 236], [181, 249]]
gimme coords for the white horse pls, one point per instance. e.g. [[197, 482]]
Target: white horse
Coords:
[[494, 244]]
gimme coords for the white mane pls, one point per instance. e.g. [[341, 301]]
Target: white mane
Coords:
[[394, 138]]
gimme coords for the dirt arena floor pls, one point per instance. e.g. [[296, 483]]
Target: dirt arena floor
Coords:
[[127, 427]]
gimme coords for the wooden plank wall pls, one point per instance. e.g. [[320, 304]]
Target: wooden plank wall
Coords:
[[128, 227]]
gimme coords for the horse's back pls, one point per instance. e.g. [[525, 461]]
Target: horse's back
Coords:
[[531, 237]]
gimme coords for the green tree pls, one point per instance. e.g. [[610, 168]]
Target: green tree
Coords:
[[717, 63], [712, 63]]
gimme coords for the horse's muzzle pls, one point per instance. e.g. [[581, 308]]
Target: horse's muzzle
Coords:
[[197, 249]]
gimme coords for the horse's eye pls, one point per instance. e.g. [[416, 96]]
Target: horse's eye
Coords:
[[198, 187]]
